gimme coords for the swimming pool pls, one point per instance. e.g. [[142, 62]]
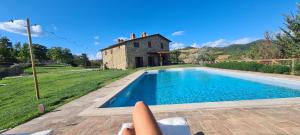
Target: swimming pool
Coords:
[[181, 86]]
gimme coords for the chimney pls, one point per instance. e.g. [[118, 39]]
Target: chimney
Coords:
[[144, 34], [120, 40], [132, 36]]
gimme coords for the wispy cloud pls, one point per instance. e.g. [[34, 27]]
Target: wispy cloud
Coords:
[[96, 42], [18, 27], [54, 27], [176, 45], [96, 37], [244, 40], [223, 42], [217, 43], [178, 33]]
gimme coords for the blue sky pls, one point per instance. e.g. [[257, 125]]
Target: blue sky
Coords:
[[88, 26]]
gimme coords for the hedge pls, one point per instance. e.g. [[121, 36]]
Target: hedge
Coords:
[[297, 69], [253, 66], [279, 69]]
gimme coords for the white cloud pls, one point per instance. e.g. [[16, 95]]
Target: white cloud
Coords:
[[99, 55], [176, 45], [178, 33], [96, 42], [244, 40], [123, 38], [95, 57], [218, 43], [18, 27], [223, 42], [196, 45]]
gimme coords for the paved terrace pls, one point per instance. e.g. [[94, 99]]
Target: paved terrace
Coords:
[[273, 119]]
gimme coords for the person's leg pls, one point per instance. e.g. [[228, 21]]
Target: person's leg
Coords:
[[128, 131], [143, 120]]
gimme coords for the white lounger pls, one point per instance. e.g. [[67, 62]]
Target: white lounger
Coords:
[[45, 132], [168, 126]]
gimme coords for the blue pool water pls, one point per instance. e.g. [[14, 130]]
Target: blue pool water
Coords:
[[194, 86]]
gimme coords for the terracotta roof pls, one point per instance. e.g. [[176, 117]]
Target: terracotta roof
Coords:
[[118, 44]]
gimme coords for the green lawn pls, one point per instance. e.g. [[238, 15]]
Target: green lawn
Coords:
[[58, 85]]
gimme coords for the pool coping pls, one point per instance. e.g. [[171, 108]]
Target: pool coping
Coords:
[[113, 89]]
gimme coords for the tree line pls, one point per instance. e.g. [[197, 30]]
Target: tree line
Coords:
[[19, 53]]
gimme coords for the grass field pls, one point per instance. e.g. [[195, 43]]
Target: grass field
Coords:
[[58, 85]]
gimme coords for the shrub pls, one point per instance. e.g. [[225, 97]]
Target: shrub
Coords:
[[297, 69], [281, 69], [266, 69], [248, 66], [253, 66]]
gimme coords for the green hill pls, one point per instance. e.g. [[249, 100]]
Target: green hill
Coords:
[[232, 52], [237, 51]]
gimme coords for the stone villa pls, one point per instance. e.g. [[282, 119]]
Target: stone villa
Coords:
[[152, 50]]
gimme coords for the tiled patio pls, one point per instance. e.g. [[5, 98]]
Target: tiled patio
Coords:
[[274, 119], [240, 121], [283, 120]]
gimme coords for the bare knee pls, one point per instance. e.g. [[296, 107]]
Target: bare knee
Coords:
[[139, 104]]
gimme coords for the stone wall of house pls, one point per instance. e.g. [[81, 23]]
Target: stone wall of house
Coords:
[[115, 58], [143, 49]]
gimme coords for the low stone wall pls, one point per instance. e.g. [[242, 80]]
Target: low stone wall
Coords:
[[13, 70]]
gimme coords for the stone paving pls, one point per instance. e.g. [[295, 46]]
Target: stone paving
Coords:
[[270, 120], [283, 120]]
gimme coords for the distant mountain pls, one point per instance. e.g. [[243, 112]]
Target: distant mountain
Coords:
[[237, 50], [240, 48], [234, 51]]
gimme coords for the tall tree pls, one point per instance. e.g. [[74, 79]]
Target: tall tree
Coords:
[[6, 50], [289, 40], [61, 55], [24, 55], [55, 54], [264, 50], [66, 56], [40, 52], [85, 60], [16, 51]]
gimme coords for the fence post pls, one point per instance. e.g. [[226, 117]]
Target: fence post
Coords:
[[293, 66], [273, 62]]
